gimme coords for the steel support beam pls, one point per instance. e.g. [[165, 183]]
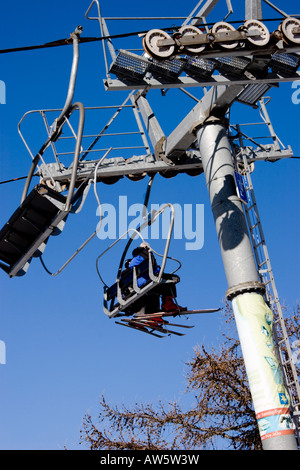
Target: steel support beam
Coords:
[[216, 101], [118, 167], [153, 128], [188, 82], [270, 398], [137, 165], [204, 11], [253, 10]]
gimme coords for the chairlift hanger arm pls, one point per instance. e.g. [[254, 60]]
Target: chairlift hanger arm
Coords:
[[140, 227], [59, 122], [73, 76]]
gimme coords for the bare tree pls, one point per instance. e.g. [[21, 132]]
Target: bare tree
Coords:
[[221, 414]]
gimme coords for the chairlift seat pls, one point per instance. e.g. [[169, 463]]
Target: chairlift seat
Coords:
[[31, 224], [126, 285], [126, 280]]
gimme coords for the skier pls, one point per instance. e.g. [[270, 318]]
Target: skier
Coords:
[[167, 291]]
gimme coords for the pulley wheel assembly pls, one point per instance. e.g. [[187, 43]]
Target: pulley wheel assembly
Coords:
[[262, 37], [136, 177], [222, 27], [152, 48], [185, 31], [289, 29]]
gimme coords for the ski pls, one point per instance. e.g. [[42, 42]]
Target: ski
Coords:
[[142, 330], [162, 321], [177, 324], [152, 326], [154, 322], [175, 314]]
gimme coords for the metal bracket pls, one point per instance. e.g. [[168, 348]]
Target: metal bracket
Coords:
[[245, 287], [209, 38]]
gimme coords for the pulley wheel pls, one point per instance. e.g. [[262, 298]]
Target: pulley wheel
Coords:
[[136, 177], [192, 31], [110, 179], [59, 187], [222, 27], [168, 173], [150, 44], [260, 39], [287, 28], [194, 172]]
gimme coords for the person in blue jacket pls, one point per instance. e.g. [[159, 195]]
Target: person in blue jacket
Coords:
[[140, 254], [151, 303]]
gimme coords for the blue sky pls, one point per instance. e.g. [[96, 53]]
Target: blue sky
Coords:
[[62, 352]]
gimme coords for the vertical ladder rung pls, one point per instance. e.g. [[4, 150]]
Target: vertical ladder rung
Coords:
[[262, 263], [287, 361], [250, 207], [254, 226], [264, 271]]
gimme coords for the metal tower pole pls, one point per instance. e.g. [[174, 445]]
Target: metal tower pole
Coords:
[[253, 316], [253, 10]]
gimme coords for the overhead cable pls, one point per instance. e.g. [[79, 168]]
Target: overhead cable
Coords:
[[82, 40]]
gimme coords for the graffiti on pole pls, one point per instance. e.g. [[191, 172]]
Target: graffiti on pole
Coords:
[[270, 398]]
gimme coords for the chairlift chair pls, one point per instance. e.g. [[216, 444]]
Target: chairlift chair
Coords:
[[44, 210], [125, 291], [41, 213], [25, 234]]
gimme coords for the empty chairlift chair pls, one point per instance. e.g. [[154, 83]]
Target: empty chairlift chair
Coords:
[[40, 215], [43, 211]]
